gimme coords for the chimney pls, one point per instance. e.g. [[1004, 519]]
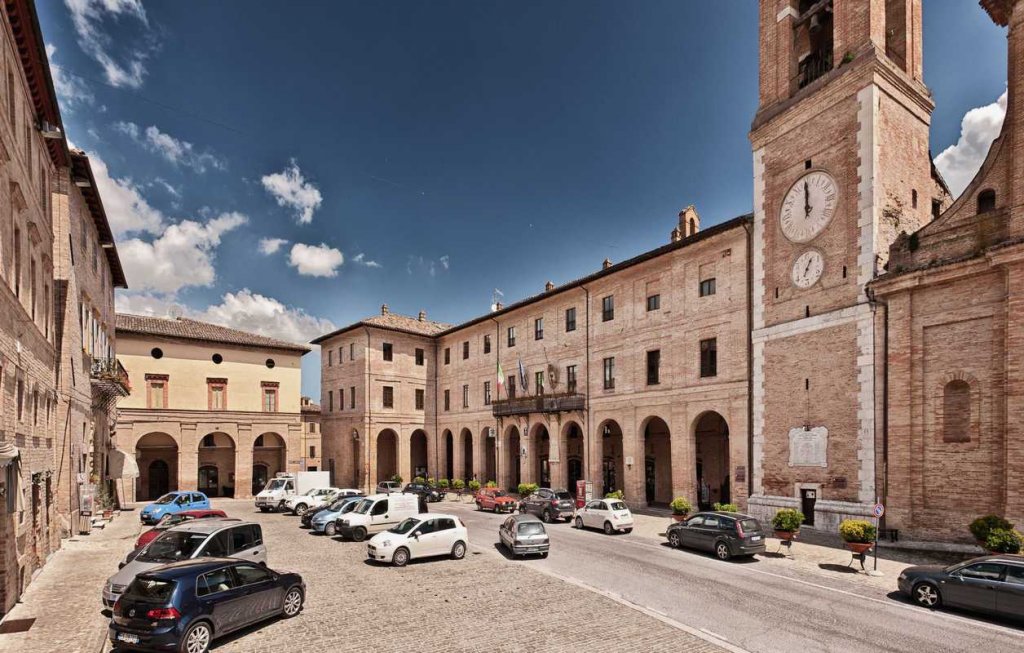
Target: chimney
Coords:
[[498, 306], [383, 309], [607, 264], [689, 221], [423, 316], [548, 287], [677, 235]]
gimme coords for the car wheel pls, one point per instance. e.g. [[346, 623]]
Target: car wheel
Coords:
[[264, 509], [330, 529], [401, 557], [459, 551], [544, 555], [627, 531], [579, 523], [358, 534], [673, 539], [547, 516], [479, 506], [292, 602], [197, 638], [301, 509], [926, 595], [722, 551], [608, 530]]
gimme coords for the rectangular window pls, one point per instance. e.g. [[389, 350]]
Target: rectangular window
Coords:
[[465, 396], [388, 351], [330, 358], [17, 262], [707, 287], [447, 355], [312, 451], [419, 398], [608, 308], [389, 397], [570, 379], [654, 367], [511, 388], [653, 302], [447, 400], [419, 357], [341, 354], [487, 344], [538, 382], [352, 351], [538, 329], [330, 401], [341, 400], [465, 350], [511, 336], [570, 319], [269, 400], [218, 395], [709, 357], [487, 393], [609, 373], [352, 398], [156, 393]]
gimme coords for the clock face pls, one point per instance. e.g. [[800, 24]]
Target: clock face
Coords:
[[807, 268], [808, 207]]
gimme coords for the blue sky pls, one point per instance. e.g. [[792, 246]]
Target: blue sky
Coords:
[[424, 153]]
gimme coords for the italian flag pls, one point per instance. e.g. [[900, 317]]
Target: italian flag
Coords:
[[501, 379]]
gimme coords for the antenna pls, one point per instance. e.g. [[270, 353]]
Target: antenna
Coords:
[[174, 312], [494, 299]]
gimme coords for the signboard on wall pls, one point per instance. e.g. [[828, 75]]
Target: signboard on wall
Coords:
[[741, 474]]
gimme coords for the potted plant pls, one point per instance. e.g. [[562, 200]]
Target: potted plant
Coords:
[[526, 489], [786, 523], [1004, 540], [982, 527], [443, 484], [474, 486], [397, 478], [725, 507], [419, 479], [491, 484], [681, 507], [616, 494], [858, 534], [458, 485]]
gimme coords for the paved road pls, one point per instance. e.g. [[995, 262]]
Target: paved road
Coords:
[[744, 602]]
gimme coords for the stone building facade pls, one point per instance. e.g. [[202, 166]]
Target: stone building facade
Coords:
[[212, 408], [310, 445]]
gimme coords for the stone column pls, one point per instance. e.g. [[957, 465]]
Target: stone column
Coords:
[[188, 458], [243, 469], [480, 455], [526, 460], [1014, 475], [404, 462], [458, 455]]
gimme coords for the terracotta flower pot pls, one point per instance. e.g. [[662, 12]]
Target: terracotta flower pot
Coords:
[[679, 517], [859, 547], [786, 535]]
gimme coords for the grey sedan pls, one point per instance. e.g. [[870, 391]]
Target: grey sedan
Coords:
[[523, 535], [990, 584]]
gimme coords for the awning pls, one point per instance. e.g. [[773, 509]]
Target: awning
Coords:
[[122, 465], [8, 453]]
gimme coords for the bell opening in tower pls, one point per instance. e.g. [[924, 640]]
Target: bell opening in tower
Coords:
[[812, 41]]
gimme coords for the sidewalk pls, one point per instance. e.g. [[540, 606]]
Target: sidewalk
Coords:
[[64, 599]]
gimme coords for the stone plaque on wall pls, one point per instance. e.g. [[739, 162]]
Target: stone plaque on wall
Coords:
[[808, 447]]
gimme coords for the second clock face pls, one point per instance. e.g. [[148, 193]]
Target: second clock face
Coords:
[[809, 206], [807, 268]]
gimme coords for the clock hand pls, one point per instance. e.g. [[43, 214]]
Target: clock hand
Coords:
[[807, 199], [808, 268]]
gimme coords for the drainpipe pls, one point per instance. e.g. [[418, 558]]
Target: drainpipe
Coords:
[[747, 227], [497, 435], [586, 404], [874, 301], [369, 413], [437, 453]]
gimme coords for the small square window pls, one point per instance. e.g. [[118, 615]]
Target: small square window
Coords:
[[707, 287], [653, 302]]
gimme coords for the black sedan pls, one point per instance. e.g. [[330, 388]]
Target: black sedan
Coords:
[[990, 584], [183, 606], [428, 493], [726, 534]]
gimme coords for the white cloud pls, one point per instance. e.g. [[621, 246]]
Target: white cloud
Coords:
[[176, 151], [361, 259], [291, 190], [270, 246], [960, 163], [181, 256], [243, 310], [126, 208], [171, 190], [421, 265], [88, 16], [70, 89], [444, 261], [316, 260]]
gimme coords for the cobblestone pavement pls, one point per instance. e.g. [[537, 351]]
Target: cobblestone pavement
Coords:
[[65, 597]]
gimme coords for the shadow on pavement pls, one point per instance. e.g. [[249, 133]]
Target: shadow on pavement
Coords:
[[843, 569]]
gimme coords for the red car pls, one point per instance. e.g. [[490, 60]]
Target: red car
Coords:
[[173, 520], [495, 500]]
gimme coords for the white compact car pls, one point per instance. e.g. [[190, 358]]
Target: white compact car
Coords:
[[318, 497], [422, 536], [610, 515]]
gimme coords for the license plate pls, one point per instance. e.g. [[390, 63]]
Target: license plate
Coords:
[[128, 638], [756, 538]]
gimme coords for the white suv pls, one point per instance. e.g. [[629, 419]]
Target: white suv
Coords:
[[315, 498], [387, 487]]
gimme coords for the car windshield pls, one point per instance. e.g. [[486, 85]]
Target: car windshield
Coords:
[[405, 526], [348, 507], [338, 505], [167, 498], [363, 507], [151, 589], [276, 484], [531, 528], [617, 505], [172, 546], [499, 493], [563, 495]]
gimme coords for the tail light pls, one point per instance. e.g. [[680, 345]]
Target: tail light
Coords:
[[163, 613], [117, 606], [739, 530], [554, 502]]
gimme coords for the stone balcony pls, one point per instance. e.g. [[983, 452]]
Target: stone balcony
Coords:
[[109, 377], [551, 403]]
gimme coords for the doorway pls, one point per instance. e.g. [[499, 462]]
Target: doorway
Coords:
[[260, 476], [159, 478], [208, 480], [650, 467]]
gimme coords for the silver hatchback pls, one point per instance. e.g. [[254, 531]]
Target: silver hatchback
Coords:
[[524, 535]]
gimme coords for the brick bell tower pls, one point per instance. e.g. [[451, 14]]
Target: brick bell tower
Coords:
[[841, 167]]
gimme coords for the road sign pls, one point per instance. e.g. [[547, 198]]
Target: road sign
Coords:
[[878, 510]]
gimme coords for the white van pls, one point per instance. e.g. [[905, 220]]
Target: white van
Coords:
[[288, 484], [376, 513]]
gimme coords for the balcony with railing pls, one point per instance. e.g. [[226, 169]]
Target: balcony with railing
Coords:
[[109, 377], [543, 403], [815, 66]]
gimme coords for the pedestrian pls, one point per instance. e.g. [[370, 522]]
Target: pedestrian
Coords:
[[705, 494]]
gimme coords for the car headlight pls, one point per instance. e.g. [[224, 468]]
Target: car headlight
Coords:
[[385, 543], [903, 577]]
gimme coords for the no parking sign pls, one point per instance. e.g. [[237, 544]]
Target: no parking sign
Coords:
[[878, 510]]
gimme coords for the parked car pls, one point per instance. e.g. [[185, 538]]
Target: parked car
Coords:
[[220, 538], [423, 536], [991, 584], [313, 498], [288, 484], [173, 502], [387, 487], [185, 605], [430, 494], [325, 520], [726, 534], [524, 534], [610, 515], [549, 504], [172, 520], [376, 513], [495, 500], [306, 520]]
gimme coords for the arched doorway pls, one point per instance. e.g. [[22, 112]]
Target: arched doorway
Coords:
[[571, 453], [270, 452], [467, 455], [513, 458], [490, 455], [217, 465], [657, 462], [449, 456], [387, 455], [613, 472], [541, 442], [157, 457], [418, 453], [711, 433]]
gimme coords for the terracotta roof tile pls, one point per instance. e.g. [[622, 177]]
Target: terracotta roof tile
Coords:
[[393, 322], [188, 329]]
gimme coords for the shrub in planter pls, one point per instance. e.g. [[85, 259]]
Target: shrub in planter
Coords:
[[526, 489], [982, 526], [857, 531], [491, 484], [459, 485], [726, 507], [419, 479], [1004, 540], [396, 478], [474, 486], [787, 520], [617, 494], [443, 484], [431, 481], [680, 506]]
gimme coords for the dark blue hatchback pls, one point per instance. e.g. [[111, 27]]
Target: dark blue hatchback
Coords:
[[183, 606]]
